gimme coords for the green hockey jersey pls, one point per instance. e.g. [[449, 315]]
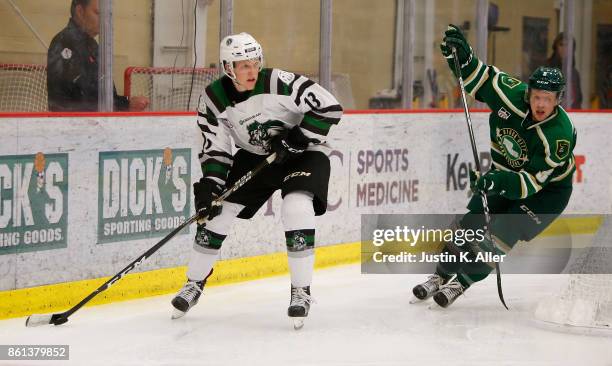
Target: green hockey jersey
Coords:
[[279, 100], [533, 154]]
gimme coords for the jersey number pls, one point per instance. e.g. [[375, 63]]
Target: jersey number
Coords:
[[314, 100]]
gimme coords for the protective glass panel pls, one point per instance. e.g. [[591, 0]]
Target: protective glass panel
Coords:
[[597, 69], [161, 52], [363, 52], [376, 71], [434, 84], [289, 35]]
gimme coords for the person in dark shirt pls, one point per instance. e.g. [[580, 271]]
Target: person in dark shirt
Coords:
[[72, 65], [557, 60]]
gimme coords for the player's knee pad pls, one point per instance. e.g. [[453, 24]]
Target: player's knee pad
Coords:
[[297, 211]]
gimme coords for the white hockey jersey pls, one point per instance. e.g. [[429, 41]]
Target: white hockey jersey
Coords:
[[280, 100]]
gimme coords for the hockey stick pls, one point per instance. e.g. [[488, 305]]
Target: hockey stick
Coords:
[[61, 318], [483, 194]]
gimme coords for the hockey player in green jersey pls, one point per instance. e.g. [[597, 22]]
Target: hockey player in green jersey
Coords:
[[530, 182], [263, 111]]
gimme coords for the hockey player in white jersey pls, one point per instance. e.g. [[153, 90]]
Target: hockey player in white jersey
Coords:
[[264, 111]]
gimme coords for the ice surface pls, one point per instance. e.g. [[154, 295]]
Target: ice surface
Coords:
[[357, 320]]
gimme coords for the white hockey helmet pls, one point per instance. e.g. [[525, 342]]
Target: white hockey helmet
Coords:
[[239, 47]]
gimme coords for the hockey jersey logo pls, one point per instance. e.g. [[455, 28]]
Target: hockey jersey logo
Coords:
[[509, 81], [259, 134], [563, 148], [503, 113], [514, 146]]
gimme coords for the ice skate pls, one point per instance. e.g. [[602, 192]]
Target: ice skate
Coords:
[[299, 305], [427, 289], [449, 293], [187, 297]]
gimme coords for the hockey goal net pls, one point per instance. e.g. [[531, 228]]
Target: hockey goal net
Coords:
[[168, 88], [586, 300], [23, 88]]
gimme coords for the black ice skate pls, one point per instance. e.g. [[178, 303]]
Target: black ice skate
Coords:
[[448, 293], [299, 305], [428, 288], [187, 297]]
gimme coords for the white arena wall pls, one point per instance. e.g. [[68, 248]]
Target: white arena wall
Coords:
[[64, 218]]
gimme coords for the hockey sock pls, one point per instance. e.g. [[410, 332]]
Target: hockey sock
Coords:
[[300, 254], [208, 241], [299, 220], [200, 265]]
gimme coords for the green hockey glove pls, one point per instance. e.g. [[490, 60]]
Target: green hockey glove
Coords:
[[493, 181], [453, 37]]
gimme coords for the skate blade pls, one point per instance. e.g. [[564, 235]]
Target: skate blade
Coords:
[[434, 306], [416, 300], [176, 314], [298, 323]]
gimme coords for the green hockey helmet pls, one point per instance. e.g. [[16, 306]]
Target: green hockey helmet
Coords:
[[547, 78]]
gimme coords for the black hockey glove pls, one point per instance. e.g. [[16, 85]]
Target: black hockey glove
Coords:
[[453, 37], [205, 191], [289, 143]]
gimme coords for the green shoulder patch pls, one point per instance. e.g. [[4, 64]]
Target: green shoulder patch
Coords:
[[509, 81], [563, 147]]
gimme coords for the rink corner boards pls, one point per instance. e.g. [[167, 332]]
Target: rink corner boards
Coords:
[[56, 297]]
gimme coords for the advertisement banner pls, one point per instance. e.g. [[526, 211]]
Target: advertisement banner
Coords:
[[143, 194], [33, 202]]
